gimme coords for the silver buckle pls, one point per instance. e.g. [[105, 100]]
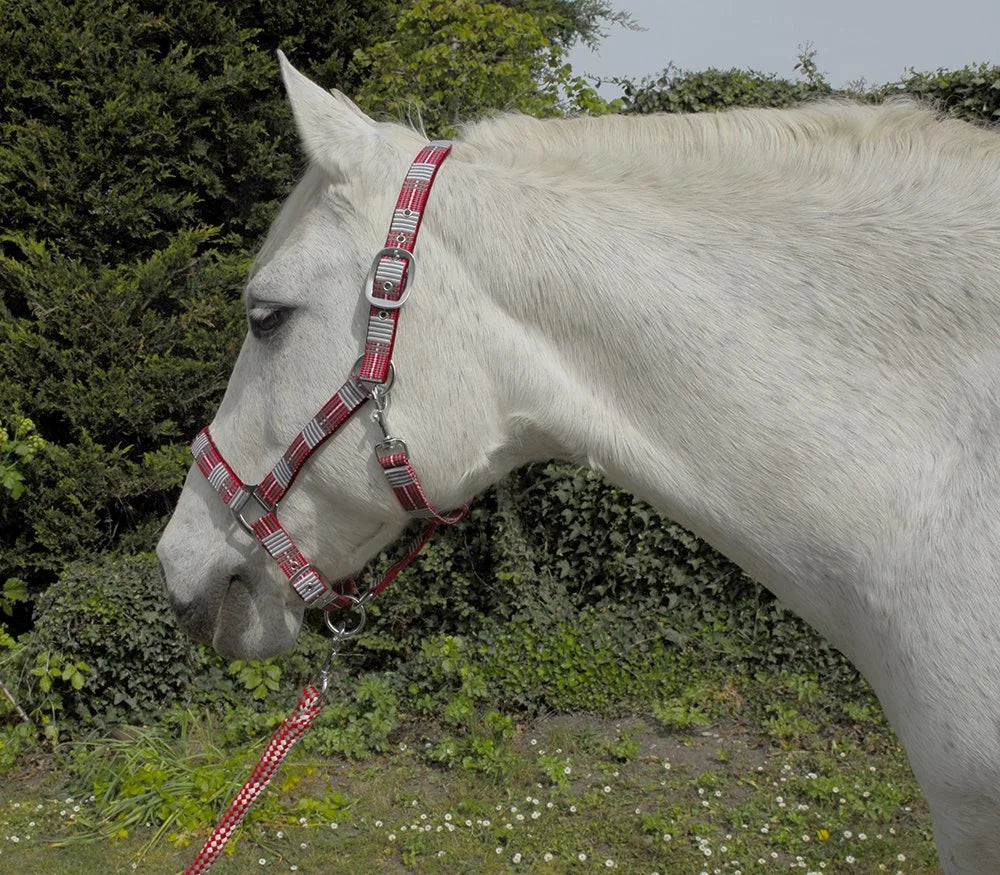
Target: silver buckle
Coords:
[[237, 509], [391, 446], [389, 380], [411, 274]]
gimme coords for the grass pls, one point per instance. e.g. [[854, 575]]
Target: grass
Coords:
[[729, 778]]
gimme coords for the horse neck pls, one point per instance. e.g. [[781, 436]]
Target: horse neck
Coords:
[[688, 328], [615, 339]]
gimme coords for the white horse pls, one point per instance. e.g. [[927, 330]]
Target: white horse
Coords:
[[779, 327]]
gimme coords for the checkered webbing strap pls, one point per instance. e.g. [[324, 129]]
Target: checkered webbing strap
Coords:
[[404, 482], [309, 705], [330, 417], [307, 582], [390, 278]]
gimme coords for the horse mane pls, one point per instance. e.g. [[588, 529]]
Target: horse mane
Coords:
[[897, 126], [876, 147]]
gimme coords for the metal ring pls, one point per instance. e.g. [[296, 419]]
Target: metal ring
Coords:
[[389, 380], [343, 631], [411, 275]]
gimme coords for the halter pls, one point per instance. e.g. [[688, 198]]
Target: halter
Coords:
[[255, 508]]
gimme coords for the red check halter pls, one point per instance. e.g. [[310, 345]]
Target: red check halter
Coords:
[[387, 287]]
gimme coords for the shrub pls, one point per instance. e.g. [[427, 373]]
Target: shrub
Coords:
[[112, 616]]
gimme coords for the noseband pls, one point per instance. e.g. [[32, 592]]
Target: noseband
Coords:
[[255, 508]]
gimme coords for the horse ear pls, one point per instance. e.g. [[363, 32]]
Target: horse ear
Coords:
[[330, 125]]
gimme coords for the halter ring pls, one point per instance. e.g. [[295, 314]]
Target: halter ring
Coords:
[[341, 631]]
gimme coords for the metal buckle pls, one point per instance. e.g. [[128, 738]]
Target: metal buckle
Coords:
[[411, 274], [389, 380], [391, 446], [238, 506]]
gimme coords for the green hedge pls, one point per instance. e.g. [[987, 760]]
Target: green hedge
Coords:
[[144, 148]]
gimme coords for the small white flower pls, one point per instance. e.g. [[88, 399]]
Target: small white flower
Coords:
[[581, 856], [609, 864], [516, 858], [901, 858], [849, 858], [262, 861], [548, 858]]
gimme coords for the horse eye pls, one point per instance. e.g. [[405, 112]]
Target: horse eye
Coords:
[[265, 321]]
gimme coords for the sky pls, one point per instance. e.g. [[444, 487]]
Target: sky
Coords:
[[874, 39]]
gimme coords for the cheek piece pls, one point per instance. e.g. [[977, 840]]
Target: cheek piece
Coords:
[[255, 508]]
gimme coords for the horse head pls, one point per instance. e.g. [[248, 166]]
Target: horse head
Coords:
[[307, 321]]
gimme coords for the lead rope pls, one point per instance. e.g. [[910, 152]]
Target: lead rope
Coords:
[[310, 703], [307, 709]]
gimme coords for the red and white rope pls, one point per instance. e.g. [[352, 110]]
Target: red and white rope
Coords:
[[291, 730]]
